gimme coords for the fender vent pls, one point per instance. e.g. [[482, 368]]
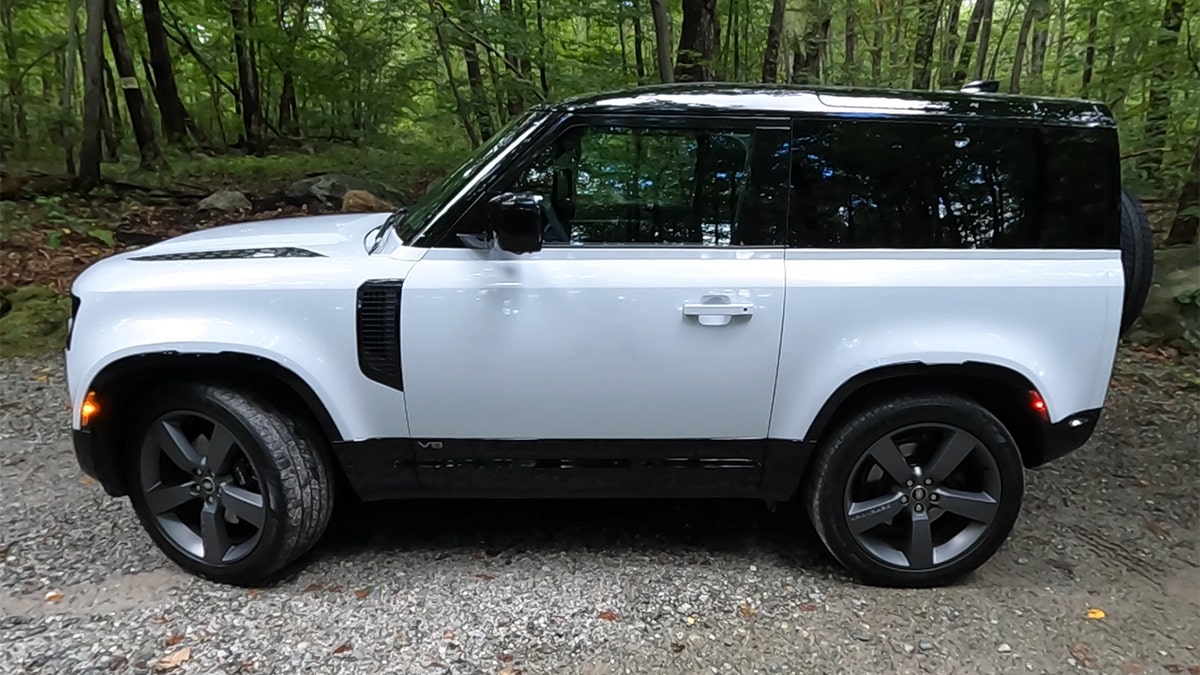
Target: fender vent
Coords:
[[378, 326]]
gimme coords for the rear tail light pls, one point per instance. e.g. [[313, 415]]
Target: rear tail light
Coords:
[[1038, 404]]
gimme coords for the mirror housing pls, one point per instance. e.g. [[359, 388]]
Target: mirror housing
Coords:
[[515, 220]]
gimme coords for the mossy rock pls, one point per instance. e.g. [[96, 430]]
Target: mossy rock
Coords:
[[1172, 312], [34, 320]]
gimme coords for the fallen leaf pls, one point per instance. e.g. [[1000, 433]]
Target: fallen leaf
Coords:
[[54, 596], [43, 378], [314, 586], [691, 621], [676, 647], [508, 670], [362, 593], [1173, 668], [246, 667], [1143, 482], [807, 607], [448, 634], [1158, 530], [608, 615], [342, 648], [172, 661], [747, 610], [1095, 613], [1081, 654], [174, 639], [485, 577], [435, 664], [1193, 670], [117, 663], [335, 589], [254, 592], [505, 658], [87, 480], [1128, 668], [160, 620]]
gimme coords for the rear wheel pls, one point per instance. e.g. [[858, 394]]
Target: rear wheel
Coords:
[[916, 491], [229, 487]]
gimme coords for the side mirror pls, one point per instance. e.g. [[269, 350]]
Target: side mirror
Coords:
[[515, 220]]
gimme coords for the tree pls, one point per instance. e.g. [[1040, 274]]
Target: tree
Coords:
[[927, 15], [252, 119], [950, 46], [1187, 214], [770, 70], [1089, 57], [1158, 110], [479, 102], [698, 37], [175, 120], [93, 96], [135, 103], [1036, 9], [16, 94], [70, 59], [662, 40], [808, 49]]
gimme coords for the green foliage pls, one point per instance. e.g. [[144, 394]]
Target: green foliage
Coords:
[[36, 322], [1189, 316]]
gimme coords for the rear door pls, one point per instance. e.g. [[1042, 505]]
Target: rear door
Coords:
[[641, 342]]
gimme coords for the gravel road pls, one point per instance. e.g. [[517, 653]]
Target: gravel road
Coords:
[[598, 587]]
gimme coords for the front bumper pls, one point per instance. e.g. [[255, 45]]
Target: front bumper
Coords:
[[97, 463]]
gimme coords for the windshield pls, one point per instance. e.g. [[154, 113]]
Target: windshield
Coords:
[[452, 183]]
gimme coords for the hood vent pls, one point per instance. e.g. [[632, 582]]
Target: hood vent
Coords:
[[234, 254]]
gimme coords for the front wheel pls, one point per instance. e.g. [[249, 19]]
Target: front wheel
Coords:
[[228, 486], [917, 491]]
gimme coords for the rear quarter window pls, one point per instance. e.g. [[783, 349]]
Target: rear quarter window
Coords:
[[902, 184]]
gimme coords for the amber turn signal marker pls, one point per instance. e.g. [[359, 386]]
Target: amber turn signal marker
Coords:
[[89, 409]]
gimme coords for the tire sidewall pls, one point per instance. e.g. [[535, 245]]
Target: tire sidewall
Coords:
[[260, 561], [851, 442]]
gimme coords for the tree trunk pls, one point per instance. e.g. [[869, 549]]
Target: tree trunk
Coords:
[[730, 32], [927, 15], [807, 52], [851, 41], [1014, 82], [950, 46], [770, 71], [995, 60], [1187, 216], [698, 35], [93, 96], [542, 43], [877, 44], [1159, 100], [252, 119], [662, 40], [170, 106], [1059, 45], [16, 93], [639, 59], [964, 57], [1039, 44], [479, 99], [1089, 55], [460, 105], [66, 137], [135, 103], [514, 102]]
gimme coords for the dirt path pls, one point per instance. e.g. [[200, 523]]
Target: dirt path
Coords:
[[709, 586]]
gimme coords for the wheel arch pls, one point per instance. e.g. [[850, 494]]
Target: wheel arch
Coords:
[[1003, 391], [120, 385]]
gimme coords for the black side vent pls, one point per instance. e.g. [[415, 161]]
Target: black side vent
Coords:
[[378, 323]]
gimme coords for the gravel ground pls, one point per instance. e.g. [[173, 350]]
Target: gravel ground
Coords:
[[599, 587]]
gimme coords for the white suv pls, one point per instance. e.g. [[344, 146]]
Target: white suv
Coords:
[[886, 304]]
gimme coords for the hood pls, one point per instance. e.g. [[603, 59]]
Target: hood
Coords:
[[333, 235]]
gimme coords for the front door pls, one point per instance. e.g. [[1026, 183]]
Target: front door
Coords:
[[642, 341]]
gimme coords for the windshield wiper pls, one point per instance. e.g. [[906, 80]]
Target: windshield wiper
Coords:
[[393, 222]]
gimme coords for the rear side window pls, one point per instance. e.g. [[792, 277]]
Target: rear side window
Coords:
[[900, 184]]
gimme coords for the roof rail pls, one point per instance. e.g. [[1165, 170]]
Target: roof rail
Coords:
[[989, 86]]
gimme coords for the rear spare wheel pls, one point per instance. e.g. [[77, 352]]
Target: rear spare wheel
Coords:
[[1137, 257]]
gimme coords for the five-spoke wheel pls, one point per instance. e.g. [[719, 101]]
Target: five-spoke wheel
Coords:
[[229, 486], [916, 491]]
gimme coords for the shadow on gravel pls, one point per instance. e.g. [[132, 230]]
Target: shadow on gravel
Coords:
[[695, 530]]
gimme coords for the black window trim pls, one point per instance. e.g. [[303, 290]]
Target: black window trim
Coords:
[[445, 231]]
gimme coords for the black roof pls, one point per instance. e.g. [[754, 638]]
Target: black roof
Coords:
[[791, 100]]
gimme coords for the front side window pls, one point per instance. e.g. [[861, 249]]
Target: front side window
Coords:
[[636, 185]]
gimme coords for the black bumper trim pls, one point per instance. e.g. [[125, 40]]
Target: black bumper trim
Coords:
[[98, 465], [1066, 436]]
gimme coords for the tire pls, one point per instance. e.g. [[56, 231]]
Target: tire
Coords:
[[829, 493], [280, 475], [1137, 257]]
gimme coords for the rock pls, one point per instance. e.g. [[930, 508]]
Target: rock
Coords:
[[224, 200], [1004, 648], [330, 188], [1171, 314], [361, 201], [925, 646]]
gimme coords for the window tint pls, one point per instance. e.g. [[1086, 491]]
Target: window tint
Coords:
[[621, 185], [911, 185], [1080, 182]]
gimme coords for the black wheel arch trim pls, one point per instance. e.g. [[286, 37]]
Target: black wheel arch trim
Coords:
[[99, 447], [1002, 390]]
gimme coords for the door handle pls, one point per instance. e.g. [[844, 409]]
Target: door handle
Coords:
[[718, 309]]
